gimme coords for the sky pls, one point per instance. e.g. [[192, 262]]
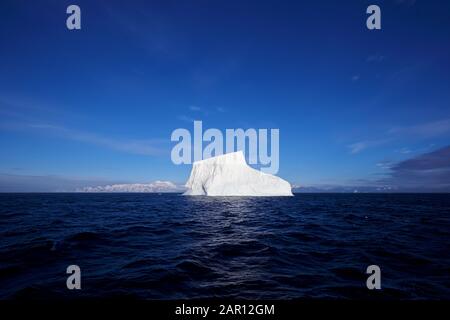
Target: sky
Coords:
[[355, 107]]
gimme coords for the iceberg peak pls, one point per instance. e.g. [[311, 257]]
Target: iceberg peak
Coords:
[[229, 175]]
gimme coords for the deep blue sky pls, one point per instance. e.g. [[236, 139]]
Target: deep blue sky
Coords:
[[100, 103]]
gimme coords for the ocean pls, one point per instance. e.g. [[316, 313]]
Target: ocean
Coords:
[[167, 246]]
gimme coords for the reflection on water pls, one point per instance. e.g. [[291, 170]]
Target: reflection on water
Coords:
[[170, 246]]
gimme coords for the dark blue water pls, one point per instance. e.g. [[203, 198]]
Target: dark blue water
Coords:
[[169, 246]]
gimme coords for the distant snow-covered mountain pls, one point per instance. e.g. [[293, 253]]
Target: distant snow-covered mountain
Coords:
[[155, 186]]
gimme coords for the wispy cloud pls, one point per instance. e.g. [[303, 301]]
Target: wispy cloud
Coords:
[[185, 118], [21, 114], [375, 58], [194, 108], [404, 150], [196, 111], [385, 164], [426, 172], [359, 146], [150, 147], [355, 77], [419, 132], [429, 171], [46, 183], [424, 130]]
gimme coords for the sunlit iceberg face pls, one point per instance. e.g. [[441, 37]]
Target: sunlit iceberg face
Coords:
[[229, 175]]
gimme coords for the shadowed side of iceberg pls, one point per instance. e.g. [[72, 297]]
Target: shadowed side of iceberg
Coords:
[[229, 175]]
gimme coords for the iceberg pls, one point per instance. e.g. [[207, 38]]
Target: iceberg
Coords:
[[229, 175]]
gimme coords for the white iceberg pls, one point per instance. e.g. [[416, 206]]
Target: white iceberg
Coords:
[[229, 175]]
